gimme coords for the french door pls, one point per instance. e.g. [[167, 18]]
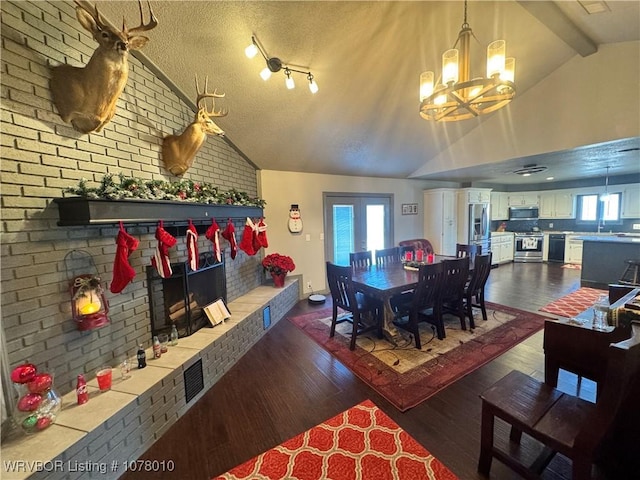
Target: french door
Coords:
[[356, 222]]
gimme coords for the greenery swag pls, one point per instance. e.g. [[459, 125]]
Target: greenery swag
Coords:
[[119, 187]]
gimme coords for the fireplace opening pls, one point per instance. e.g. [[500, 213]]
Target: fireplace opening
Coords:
[[180, 299]]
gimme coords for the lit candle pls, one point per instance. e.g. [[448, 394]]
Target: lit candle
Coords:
[[419, 255], [88, 304]]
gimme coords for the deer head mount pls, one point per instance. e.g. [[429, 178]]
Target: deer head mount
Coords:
[[178, 151], [86, 97]]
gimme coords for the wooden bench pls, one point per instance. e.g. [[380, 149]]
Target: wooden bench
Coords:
[[564, 423]]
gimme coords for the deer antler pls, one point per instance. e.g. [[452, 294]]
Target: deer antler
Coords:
[[204, 95], [153, 21], [94, 14]]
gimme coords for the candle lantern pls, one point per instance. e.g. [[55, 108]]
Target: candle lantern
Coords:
[[89, 306]]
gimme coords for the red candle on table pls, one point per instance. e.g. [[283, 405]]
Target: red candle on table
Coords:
[[419, 255]]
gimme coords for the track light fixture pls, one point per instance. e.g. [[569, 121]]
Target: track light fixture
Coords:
[[274, 64]]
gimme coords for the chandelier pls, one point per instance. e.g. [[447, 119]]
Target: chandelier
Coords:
[[274, 64], [458, 97]]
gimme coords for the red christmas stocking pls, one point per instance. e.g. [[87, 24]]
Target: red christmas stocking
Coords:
[[192, 246], [246, 243], [160, 259], [213, 234], [123, 272], [229, 234], [262, 234]]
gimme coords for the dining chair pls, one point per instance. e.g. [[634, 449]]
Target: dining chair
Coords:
[[475, 287], [387, 256], [360, 259], [576, 428], [464, 250], [451, 298], [358, 306], [419, 305]]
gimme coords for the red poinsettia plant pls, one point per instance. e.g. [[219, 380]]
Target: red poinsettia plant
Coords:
[[278, 264]]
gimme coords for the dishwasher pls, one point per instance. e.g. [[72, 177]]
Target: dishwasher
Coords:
[[556, 247]]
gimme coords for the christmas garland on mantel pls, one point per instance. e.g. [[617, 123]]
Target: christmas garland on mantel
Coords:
[[125, 188]]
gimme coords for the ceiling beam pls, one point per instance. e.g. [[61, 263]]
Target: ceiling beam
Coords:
[[555, 20]]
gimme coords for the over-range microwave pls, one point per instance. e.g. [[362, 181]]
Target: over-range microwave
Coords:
[[523, 213]]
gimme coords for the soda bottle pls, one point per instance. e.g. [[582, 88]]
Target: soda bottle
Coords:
[[157, 348], [174, 336], [142, 357], [81, 390]]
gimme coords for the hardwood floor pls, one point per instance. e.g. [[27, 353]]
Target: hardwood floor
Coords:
[[286, 384]]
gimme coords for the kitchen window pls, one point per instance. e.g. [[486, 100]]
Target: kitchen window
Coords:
[[594, 208]]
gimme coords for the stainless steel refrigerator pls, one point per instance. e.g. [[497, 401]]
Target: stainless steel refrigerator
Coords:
[[478, 226]]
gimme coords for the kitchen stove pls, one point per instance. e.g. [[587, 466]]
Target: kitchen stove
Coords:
[[528, 247]]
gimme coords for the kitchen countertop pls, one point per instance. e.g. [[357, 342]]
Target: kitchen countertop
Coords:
[[625, 238]]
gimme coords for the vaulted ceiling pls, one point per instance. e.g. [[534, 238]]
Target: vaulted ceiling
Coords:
[[367, 58]]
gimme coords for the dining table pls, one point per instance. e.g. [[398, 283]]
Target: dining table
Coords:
[[384, 282]]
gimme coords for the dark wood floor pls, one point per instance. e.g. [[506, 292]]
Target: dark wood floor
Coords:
[[286, 384]]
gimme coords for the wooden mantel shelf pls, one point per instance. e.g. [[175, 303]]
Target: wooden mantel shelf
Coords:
[[77, 211]]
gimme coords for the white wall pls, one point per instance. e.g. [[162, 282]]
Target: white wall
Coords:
[[281, 189]]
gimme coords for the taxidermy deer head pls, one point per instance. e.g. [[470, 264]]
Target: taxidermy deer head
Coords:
[[178, 151], [86, 97]]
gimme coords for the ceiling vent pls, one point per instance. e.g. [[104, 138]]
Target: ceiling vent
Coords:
[[530, 170]]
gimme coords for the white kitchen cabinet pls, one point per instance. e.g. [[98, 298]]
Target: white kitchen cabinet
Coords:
[[499, 206], [524, 199], [501, 247], [440, 226], [631, 202], [476, 195], [573, 250], [557, 205]]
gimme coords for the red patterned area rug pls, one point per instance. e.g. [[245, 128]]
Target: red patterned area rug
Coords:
[[406, 376], [360, 443], [574, 303]]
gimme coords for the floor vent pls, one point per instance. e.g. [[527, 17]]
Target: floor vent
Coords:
[[193, 380]]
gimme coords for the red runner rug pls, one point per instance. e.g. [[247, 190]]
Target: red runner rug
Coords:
[[406, 376], [360, 443], [574, 303]]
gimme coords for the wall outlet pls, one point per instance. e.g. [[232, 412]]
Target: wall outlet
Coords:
[[550, 224], [636, 226], [309, 287]]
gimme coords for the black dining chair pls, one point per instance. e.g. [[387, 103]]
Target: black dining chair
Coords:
[[364, 313], [451, 298], [387, 256], [419, 305], [464, 250], [475, 288], [360, 259]]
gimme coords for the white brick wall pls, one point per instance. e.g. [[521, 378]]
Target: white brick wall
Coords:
[[41, 155]]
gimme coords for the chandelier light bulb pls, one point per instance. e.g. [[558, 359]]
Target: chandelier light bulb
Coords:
[[251, 51], [426, 85], [509, 70], [495, 58], [450, 66], [265, 73]]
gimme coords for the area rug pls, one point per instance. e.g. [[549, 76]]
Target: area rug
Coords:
[[574, 303], [406, 376], [361, 443], [572, 266]]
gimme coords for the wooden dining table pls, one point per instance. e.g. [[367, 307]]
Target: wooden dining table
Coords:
[[382, 283]]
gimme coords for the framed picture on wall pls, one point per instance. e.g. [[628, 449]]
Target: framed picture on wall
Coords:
[[409, 209]]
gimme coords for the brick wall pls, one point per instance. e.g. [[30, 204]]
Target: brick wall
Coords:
[[41, 155]]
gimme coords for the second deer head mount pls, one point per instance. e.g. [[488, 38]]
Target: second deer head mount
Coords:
[[178, 151], [86, 97]]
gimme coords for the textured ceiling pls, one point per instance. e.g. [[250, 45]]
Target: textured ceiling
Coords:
[[366, 58]]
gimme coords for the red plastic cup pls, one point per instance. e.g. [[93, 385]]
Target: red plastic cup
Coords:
[[104, 378]]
